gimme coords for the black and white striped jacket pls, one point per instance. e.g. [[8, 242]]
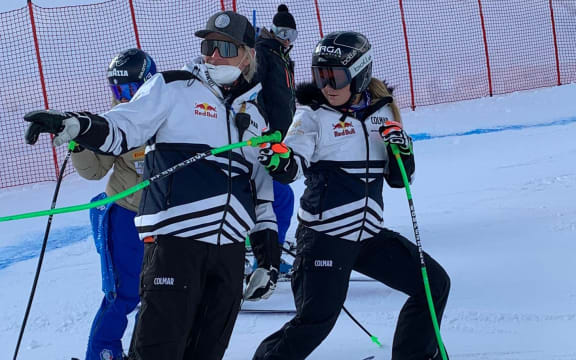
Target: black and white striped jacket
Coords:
[[345, 162], [219, 199]]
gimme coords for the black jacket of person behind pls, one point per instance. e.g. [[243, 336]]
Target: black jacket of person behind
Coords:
[[276, 74]]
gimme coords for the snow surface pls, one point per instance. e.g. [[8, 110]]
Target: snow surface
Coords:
[[494, 195]]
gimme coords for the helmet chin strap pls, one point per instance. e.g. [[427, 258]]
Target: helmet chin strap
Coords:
[[346, 107]]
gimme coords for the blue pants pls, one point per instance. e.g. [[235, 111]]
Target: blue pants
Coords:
[[283, 208], [126, 249]]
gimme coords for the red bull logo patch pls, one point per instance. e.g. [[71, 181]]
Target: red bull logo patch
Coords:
[[205, 109], [343, 128]]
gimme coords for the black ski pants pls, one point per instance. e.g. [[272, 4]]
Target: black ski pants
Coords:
[[320, 282], [190, 294]]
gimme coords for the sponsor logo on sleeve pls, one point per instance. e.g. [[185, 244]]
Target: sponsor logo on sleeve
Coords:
[[139, 155]]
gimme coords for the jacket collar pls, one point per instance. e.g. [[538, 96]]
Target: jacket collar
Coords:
[[199, 70], [267, 39], [241, 92]]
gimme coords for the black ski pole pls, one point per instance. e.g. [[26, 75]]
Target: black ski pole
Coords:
[[423, 270], [372, 337], [43, 249]]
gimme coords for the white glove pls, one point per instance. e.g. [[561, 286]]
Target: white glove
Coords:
[[70, 131], [261, 285]]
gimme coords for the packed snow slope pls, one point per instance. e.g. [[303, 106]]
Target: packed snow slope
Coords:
[[495, 193]]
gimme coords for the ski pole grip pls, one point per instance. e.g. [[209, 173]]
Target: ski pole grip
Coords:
[[275, 137], [72, 145], [395, 149]]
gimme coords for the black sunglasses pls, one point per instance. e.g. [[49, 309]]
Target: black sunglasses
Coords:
[[226, 49]]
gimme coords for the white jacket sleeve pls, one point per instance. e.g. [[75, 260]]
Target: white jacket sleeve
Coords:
[[302, 137], [132, 124]]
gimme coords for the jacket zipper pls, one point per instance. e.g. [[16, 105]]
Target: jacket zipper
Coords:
[[366, 135], [229, 175]]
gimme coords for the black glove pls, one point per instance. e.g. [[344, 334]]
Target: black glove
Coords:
[[278, 159], [266, 248], [392, 133], [275, 156], [64, 125], [262, 284]]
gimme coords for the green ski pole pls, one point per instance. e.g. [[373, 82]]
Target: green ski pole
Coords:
[[254, 141], [396, 153]]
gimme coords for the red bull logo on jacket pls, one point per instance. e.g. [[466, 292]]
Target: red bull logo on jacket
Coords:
[[343, 128], [205, 109]]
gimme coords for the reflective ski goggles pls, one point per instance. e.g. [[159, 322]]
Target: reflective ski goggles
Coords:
[[336, 77], [226, 49], [125, 91], [285, 33]]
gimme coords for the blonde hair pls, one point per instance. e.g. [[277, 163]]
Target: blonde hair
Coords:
[[379, 90], [249, 70]]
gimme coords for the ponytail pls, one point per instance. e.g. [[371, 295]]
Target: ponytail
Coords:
[[378, 89]]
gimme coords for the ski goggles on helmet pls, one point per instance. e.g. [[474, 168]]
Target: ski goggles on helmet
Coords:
[[226, 49], [285, 33], [125, 91], [336, 77]]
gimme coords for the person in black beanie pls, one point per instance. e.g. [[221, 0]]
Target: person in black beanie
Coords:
[[275, 71]]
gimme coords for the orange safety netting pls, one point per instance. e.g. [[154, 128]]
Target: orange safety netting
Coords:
[[429, 51]]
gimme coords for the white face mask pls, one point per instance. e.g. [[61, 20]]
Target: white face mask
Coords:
[[223, 74]]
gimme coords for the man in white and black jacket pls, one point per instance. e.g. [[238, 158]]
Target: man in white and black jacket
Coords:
[[194, 222]]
